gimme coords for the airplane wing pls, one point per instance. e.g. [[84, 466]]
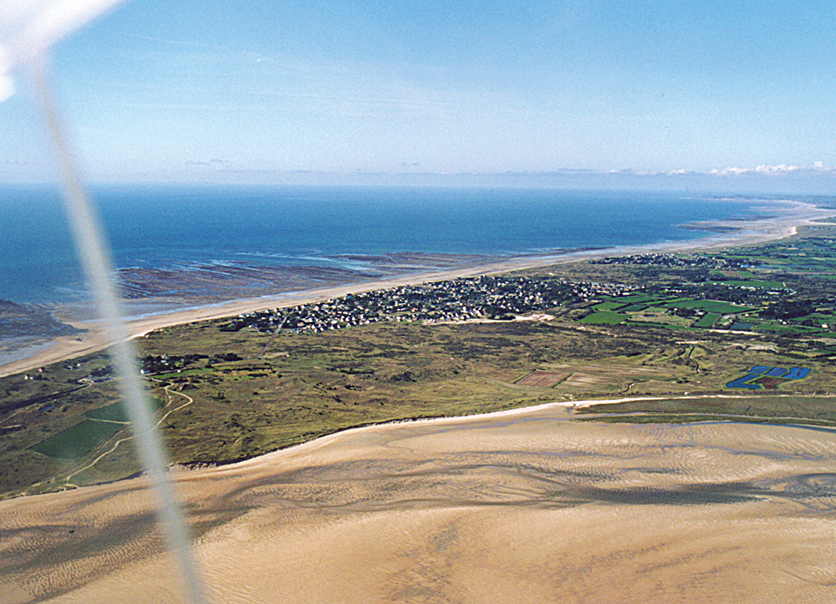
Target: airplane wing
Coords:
[[29, 28]]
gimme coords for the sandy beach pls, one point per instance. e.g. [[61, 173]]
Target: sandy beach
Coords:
[[785, 219], [520, 506], [524, 506]]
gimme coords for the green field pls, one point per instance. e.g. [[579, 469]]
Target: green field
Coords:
[[112, 413], [707, 320], [608, 305], [75, 442], [821, 319], [638, 307], [604, 317], [117, 412], [715, 306]]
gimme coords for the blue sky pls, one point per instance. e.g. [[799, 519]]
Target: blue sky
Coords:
[[265, 91]]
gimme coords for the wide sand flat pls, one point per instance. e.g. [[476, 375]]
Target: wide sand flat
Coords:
[[518, 507]]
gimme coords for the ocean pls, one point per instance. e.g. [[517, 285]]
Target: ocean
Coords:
[[154, 228]]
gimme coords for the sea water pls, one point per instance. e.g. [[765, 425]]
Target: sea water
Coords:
[[178, 227]]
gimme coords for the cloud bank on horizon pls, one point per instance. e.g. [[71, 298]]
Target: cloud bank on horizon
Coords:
[[569, 92]]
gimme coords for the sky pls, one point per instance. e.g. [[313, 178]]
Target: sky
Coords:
[[654, 92]]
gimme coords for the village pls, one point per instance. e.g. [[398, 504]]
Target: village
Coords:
[[713, 262], [498, 298], [697, 292]]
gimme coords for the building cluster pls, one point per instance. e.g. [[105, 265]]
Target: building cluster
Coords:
[[453, 300], [150, 364], [679, 260], [697, 278]]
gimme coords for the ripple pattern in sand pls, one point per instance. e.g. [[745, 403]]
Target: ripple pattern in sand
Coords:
[[526, 507]]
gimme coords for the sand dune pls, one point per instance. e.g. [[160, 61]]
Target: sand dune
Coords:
[[521, 507]]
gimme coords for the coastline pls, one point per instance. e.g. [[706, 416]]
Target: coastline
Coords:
[[510, 490], [785, 223], [465, 486]]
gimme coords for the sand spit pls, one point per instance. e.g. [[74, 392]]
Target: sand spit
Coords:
[[524, 506], [787, 216]]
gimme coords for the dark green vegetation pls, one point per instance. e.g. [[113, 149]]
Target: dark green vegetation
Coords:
[[604, 317], [662, 325], [74, 442], [780, 288], [112, 413]]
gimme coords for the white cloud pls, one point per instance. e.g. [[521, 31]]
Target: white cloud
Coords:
[[7, 87], [29, 27], [764, 170], [733, 171], [772, 170], [780, 169]]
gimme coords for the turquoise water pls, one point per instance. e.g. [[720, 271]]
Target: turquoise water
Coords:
[[171, 227]]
